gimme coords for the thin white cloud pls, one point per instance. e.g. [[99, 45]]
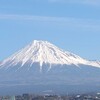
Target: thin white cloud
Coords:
[[89, 2], [66, 21], [31, 17], [37, 18]]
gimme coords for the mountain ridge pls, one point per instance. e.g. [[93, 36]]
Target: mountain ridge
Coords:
[[41, 52], [42, 66]]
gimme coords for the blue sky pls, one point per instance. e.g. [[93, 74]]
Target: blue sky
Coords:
[[73, 25]]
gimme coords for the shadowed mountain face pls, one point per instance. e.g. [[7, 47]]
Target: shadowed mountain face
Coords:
[[41, 66]]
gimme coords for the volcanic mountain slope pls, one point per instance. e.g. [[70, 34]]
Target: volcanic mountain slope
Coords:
[[42, 64], [45, 52]]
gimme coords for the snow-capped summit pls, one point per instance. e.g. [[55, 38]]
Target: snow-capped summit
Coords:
[[42, 66], [45, 52]]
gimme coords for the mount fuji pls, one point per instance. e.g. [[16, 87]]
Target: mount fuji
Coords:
[[41, 66]]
